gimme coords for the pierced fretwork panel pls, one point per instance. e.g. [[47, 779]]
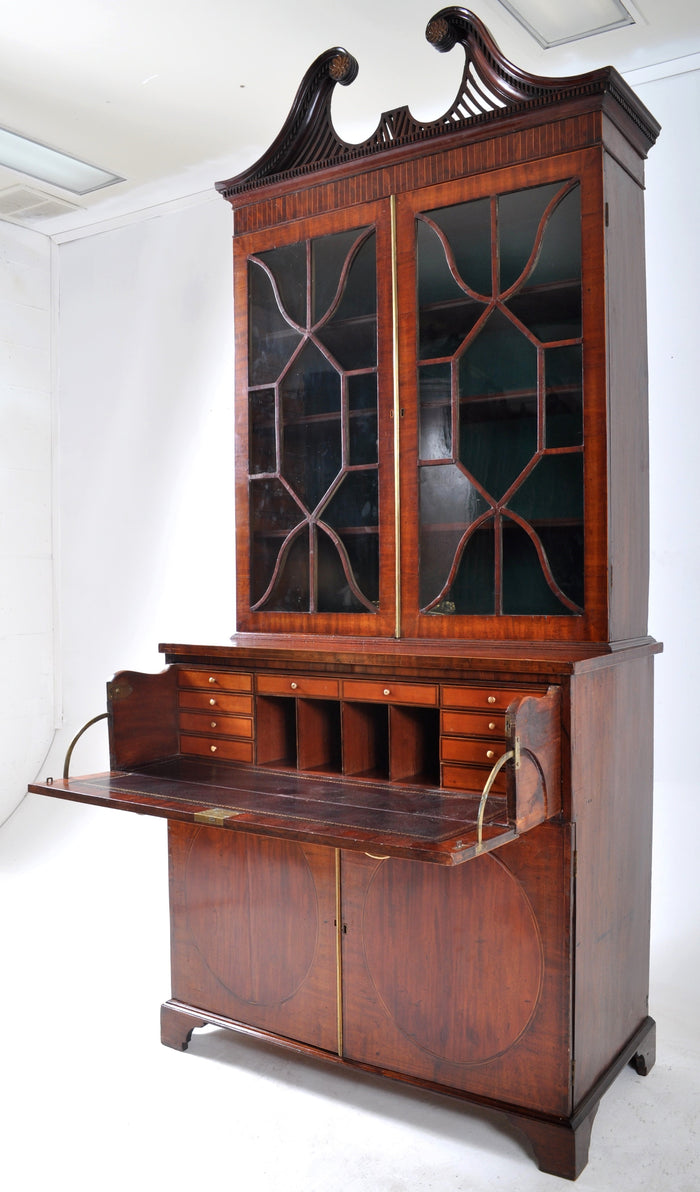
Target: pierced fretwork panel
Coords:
[[500, 404], [313, 457]]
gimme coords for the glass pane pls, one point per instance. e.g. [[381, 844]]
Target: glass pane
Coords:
[[273, 514], [353, 513], [311, 428], [446, 314], [554, 489], [351, 333], [551, 314], [363, 444], [261, 438], [435, 411], [355, 501], [548, 301], [563, 547], [449, 504], [271, 339], [525, 589], [498, 434], [472, 591], [329, 255], [519, 216], [467, 227], [564, 397], [288, 267], [335, 593], [311, 387], [498, 438], [560, 256], [291, 593], [498, 360]]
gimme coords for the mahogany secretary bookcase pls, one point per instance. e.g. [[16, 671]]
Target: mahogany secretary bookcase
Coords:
[[409, 806]]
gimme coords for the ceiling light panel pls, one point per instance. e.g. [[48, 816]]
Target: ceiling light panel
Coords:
[[49, 165], [554, 24]]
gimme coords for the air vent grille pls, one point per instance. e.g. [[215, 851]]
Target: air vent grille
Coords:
[[23, 204]]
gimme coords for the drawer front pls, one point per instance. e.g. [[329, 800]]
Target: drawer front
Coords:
[[229, 751], [496, 698], [474, 724], [212, 680], [471, 751], [298, 685], [215, 701], [470, 778], [389, 692], [225, 726]]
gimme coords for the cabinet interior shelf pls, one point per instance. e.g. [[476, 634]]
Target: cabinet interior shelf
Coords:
[[344, 531], [529, 393], [544, 291], [535, 522]]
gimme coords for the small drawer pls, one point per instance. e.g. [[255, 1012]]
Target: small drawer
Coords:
[[228, 751], [297, 685], [213, 680], [390, 692], [469, 778], [474, 724], [225, 726], [470, 750], [496, 698], [211, 701]]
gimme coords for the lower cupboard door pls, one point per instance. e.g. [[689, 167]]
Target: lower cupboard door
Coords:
[[461, 976], [253, 935]]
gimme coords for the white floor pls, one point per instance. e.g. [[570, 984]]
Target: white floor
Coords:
[[90, 1099]]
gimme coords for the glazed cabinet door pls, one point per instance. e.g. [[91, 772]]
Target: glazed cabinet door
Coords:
[[253, 932], [314, 465], [461, 976], [503, 490]]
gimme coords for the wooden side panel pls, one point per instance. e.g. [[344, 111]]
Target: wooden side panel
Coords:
[[612, 806], [627, 396], [462, 977], [143, 721], [252, 931]]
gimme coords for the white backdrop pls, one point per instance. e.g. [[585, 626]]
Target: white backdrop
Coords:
[[143, 495]]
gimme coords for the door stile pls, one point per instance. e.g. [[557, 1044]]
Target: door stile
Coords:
[[396, 414]]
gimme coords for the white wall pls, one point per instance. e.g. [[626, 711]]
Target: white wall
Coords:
[[673, 270], [673, 277], [26, 592], [145, 482]]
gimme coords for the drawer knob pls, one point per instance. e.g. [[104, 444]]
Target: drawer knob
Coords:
[[212, 702], [490, 754], [213, 724], [387, 691], [212, 679], [492, 724], [213, 748], [492, 699], [293, 686]]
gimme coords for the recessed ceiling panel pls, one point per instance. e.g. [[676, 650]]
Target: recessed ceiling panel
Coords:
[[554, 24]]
